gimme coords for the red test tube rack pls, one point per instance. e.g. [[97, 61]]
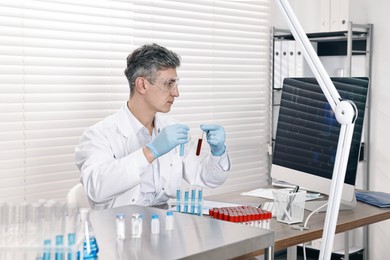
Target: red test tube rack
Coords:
[[247, 215]]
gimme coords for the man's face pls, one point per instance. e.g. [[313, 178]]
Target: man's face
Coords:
[[162, 91]]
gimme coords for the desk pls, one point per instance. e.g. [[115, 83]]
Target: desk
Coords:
[[285, 236], [193, 237]]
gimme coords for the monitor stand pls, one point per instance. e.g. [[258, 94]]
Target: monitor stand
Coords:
[[312, 205]]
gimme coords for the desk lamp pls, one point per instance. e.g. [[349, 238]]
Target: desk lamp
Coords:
[[345, 113]]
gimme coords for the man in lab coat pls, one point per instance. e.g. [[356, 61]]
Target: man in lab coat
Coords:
[[134, 156]]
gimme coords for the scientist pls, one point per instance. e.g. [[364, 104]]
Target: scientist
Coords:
[[136, 155]]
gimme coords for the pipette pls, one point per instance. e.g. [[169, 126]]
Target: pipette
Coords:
[[199, 145], [181, 150]]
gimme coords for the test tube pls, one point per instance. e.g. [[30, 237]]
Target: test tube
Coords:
[[11, 225], [32, 223], [59, 229], [178, 200], [41, 226], [193, 196], [47, 229], [22, 223], [186, 195], [3, 210], [199, 146], [3, 228], [200, 201], [181, 150], [72, 222]]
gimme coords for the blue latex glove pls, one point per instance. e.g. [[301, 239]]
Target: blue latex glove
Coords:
[[216, 138], [169, 137]]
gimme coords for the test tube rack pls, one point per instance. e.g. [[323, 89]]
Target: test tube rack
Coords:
[[247, 215], [189, 201], [39, 230]]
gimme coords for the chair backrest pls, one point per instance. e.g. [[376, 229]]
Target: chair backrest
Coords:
[[76, 195]]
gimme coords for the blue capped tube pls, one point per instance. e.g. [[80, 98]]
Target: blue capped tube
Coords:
[[193, 197], [186, 197], [178, 200], [200, 201]]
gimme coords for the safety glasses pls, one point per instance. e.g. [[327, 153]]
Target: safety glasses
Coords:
[[165, 84]]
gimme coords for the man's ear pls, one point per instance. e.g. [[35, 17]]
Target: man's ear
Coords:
[[140, 85]]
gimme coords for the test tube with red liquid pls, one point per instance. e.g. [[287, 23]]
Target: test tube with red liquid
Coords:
[[199, 146]]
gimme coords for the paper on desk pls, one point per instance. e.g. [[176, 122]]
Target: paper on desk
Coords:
[[267, 194], [208, 204]]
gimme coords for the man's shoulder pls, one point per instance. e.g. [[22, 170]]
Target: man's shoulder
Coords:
[[109, 122]]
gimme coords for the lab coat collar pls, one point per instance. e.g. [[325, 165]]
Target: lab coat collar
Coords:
[[123, 121], [134, 122], [159, 123]]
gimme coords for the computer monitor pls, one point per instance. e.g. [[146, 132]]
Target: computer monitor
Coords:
[[307, 135]]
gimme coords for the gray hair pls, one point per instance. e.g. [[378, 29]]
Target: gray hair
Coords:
[[147, 60]]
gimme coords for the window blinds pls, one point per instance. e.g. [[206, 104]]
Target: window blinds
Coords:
[[61, 70]]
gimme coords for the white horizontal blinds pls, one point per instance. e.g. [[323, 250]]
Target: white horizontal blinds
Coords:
[[61, 70], [224, 47]]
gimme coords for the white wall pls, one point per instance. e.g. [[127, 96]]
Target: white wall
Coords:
[[311, 15], [379, 174]]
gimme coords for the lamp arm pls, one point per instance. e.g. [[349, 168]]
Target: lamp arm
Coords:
[[326, 84], [346, 114], [336, 190]]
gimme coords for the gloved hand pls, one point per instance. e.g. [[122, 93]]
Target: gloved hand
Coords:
[[169, 137], [216, 138]]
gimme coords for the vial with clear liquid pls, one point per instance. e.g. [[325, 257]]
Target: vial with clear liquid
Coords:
[[136, 225], [155, 224], [169, 220], [120, 226]]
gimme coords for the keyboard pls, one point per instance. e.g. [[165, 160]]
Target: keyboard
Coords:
[[269, 205]]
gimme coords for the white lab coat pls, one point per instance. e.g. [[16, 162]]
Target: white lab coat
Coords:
[[111, 162]]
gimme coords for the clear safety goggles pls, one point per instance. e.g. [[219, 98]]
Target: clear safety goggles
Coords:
[[165, 84]]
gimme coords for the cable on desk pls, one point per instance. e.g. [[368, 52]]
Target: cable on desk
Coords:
[[300, 227]]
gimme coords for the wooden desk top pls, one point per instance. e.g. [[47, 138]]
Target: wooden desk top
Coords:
[[285, 236]]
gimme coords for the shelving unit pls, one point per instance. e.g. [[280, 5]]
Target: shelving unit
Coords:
[[357, 40], [341, 47], [343, 54]]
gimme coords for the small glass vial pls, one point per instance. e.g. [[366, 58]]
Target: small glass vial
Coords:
[[120, 226], [169, 220], [155, 224], [136, 225]]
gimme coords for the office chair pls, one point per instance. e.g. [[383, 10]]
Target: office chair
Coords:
[[76, 195]]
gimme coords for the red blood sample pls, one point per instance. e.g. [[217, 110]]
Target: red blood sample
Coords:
[[199, 146]]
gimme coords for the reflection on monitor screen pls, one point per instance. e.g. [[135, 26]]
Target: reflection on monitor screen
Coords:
[[307, 134]]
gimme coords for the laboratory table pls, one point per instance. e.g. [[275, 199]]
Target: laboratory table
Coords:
[[193, 237], [285, 237]]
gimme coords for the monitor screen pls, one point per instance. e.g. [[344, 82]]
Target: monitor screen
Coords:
[[307, 134]]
